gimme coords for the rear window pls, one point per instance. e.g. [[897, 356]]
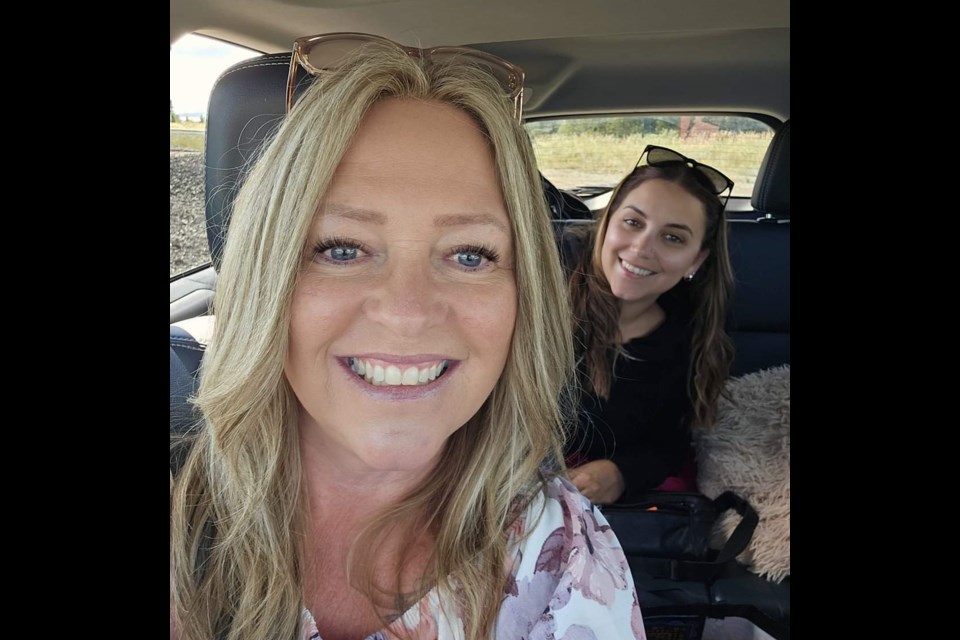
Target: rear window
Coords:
[[591, 155], [195, 64]]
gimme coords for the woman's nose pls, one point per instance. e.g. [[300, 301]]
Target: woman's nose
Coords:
[[642, 243], [408, 300]]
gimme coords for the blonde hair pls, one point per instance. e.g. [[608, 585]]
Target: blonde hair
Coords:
[[238, 508]]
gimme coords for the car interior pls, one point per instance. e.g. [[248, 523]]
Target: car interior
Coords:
[[580, 58]]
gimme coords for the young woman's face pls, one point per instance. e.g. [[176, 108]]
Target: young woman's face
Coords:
[[653, 239], [404, 312]]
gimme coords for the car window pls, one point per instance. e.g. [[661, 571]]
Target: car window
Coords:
[[591, 155], [195, 64]]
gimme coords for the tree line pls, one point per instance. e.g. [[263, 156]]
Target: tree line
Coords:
[[621, 127], [175, 118]]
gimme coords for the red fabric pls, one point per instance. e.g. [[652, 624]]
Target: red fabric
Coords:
[[687, 480]]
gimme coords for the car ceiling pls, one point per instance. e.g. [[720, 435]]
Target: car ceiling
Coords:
[[579, 56]]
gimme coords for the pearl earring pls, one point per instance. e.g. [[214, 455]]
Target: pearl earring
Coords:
[[689, 276]]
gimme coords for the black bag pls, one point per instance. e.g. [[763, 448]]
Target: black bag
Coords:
[[686, 588], [669, 532]]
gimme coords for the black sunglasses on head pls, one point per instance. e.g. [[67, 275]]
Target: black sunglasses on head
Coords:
[[661, 156]]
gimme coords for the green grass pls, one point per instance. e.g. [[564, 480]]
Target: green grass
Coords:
[[572, 159], [185, 142], [581, 159]]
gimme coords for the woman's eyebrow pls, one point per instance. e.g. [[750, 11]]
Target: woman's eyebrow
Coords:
[[445, 220], [669, 224], [461, 219], [353, 213]]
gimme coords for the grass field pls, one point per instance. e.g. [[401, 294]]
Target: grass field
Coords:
[[570, 160], [186, 141], [180, 142], [583, 159]]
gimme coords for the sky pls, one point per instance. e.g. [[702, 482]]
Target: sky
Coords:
[[195, 63]]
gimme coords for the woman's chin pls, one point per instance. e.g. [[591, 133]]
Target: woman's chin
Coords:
[[402, 457]]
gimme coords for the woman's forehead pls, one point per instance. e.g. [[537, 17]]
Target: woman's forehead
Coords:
[[413, 155]]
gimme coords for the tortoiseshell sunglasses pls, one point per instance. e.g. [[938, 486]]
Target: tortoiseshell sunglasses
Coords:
[[327, 51]]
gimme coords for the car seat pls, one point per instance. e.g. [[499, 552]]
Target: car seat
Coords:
[[759, 316]]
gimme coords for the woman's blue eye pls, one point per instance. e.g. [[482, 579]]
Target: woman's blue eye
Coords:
[[342, 254], [470, 260], [337, 250], [474, 257]]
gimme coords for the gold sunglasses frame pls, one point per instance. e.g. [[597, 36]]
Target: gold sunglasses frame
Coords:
[[300, 57]]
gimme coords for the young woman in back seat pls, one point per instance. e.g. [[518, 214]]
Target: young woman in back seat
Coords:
[[649, 284]]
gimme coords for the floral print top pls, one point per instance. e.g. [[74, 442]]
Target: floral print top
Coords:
[[569, 581]]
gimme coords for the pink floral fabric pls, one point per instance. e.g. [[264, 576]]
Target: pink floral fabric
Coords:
[[569, 580]]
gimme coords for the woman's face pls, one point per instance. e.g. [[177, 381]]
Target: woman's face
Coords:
[[404, 312], [653, 239]]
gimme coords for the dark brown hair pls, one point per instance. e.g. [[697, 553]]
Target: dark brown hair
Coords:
[[597, 310]]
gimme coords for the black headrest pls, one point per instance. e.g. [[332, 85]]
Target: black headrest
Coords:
[[771, 193], [563, 204], [246, 106]]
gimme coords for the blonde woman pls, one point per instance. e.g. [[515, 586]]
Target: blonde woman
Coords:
[[382, 396]]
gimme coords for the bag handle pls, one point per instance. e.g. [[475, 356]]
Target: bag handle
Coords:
[[708, 570], [740, 538]]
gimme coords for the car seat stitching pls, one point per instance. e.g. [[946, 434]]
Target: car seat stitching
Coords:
[[182, 342], [251, 66]]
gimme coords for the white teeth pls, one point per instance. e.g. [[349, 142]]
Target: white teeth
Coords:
[[410, 376], [392, 375], [637, 270]]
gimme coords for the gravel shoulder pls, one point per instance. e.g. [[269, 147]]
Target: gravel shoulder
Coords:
[[188, 236]]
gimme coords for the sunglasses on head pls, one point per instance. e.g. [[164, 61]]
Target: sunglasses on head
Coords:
[[328, 51], [657, 156]]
